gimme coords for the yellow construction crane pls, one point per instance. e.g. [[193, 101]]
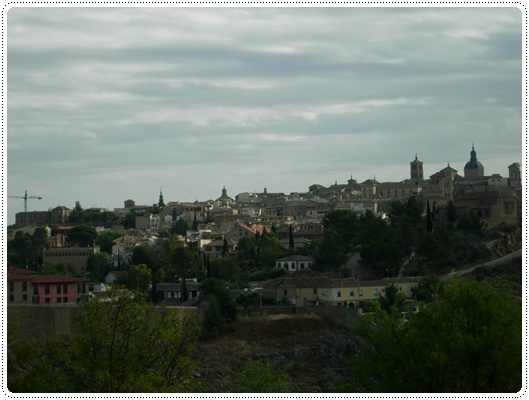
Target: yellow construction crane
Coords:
[[25, 197]]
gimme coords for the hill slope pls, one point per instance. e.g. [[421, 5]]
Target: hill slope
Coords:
[[308, 348]]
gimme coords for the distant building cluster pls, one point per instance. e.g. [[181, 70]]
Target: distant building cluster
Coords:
[[295, 217]]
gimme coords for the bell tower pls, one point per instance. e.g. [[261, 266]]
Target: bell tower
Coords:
[[416, 172]]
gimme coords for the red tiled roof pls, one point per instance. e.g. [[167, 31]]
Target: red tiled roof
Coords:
[[19, 275]]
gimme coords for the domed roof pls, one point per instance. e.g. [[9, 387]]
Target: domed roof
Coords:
[[473, 163]]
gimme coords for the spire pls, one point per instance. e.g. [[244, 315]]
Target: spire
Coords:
[[160, 199], [473, 156]]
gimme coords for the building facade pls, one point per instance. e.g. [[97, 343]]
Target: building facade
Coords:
[[31, 288], [74, 257]]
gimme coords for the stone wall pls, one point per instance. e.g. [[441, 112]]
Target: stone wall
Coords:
[[341, 316], [39, 321]]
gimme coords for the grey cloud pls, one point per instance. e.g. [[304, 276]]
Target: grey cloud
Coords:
[[187, 96]]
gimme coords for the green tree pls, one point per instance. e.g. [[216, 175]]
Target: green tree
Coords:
[[195, 223], [77, 213], [471, 224], [180, 227], [290, 237], [246, 252], [434, 247], [268, 250], [392, 298], [223, 309], [144, 254], [451, 213], [138, 278], [82, 235], [18, 249], [344, 223], [55, 269], [262, 377], [105, 240], [429, 227], [224, 247], [99, 265], [428, 289], [469, 340], [129, 222], [122, 345], [224, 267]]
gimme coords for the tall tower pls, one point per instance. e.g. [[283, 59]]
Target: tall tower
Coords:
[[160, 200], [515, 177], [473, 168], [416, 172]]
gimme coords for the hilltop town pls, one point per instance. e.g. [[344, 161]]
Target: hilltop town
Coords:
[[331, 251]]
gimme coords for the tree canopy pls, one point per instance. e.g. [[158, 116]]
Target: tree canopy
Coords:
[[123, 345], [468, 340], [82, 235]]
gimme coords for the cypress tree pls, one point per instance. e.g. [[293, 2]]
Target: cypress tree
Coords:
[[290, 237], [225, 247], [428, 217]]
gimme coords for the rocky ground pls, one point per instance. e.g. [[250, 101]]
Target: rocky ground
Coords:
[[308, 348]]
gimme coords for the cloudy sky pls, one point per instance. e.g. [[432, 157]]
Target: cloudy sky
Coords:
[[107, 104]]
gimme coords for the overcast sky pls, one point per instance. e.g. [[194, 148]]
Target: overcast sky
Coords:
[[109, 104]]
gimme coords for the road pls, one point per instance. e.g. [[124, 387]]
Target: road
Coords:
[[353, 264], [501, 260]]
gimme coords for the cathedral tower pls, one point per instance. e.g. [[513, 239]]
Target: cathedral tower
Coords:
[[416, 169]]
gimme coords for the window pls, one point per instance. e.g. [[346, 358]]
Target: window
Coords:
[[65, 299], [46, 289], [59, 300], [24, 286], [47, 301], [65, 288], [339, 293], [11, 286], [352, 293], [11, 297], [35, 289], [58, 289], [360, 292], [375, 291], [315, 291], [24, 297]]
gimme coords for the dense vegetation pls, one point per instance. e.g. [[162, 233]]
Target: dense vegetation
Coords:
[[123, 345], [469, 339]]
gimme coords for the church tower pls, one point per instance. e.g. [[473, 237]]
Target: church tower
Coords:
[[416, 172], [515, 177], [160, 199], [473, 168]]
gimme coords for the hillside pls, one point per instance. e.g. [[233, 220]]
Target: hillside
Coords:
[[308, 348]]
